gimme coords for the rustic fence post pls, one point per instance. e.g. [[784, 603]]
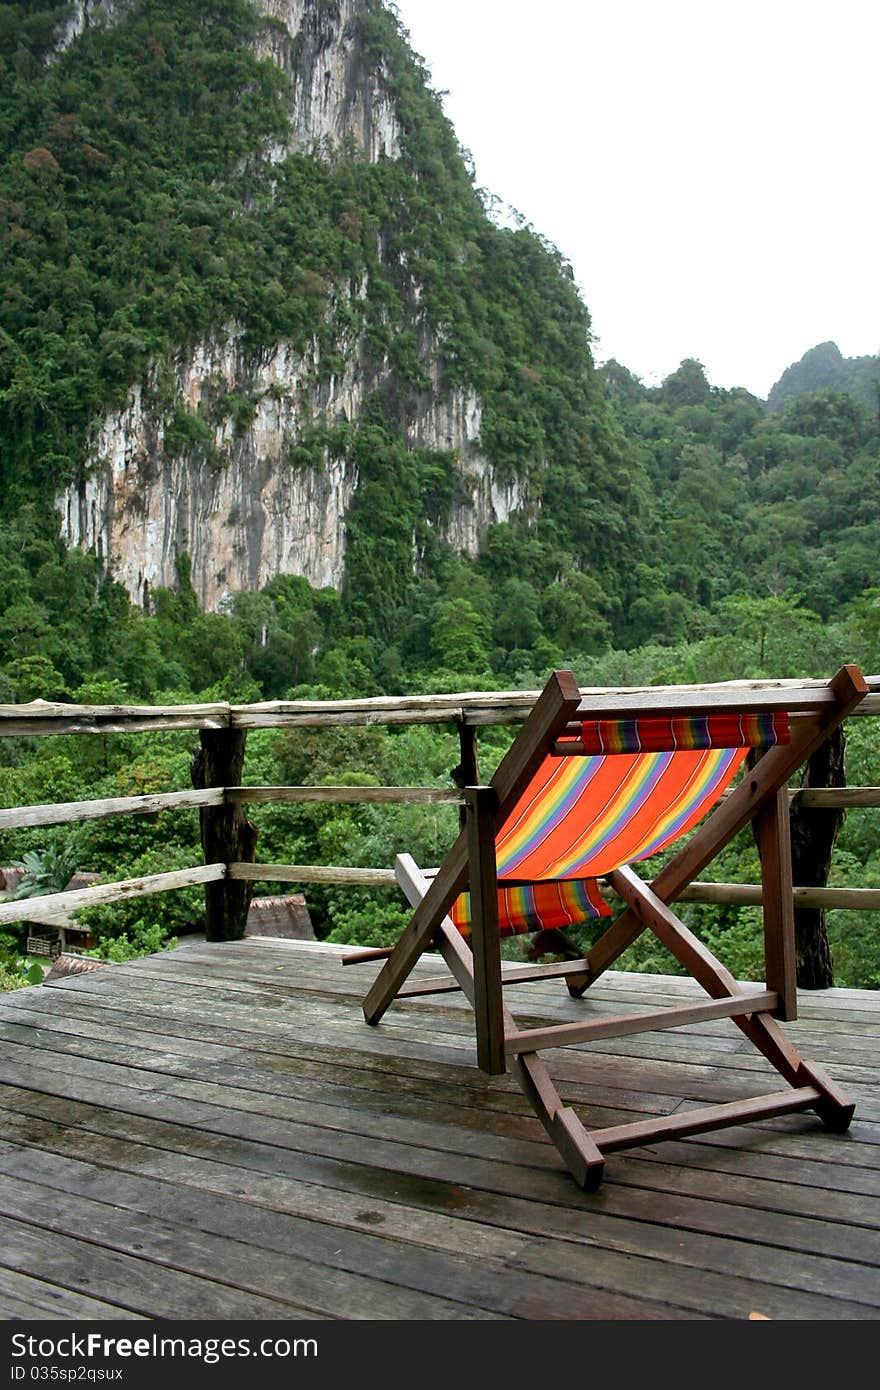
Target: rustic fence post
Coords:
[[814, 830], [227, 835], [467, 773]]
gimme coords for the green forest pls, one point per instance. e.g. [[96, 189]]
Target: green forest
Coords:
[[680, 533]]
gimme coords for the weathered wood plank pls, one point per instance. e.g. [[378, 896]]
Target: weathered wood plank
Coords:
[[360, 1272], [333, 1075], [216, 1108], [138, 1285], [46, 717], [655, 1068], [319, 961], [407, 1032], [771, 1212], [737, 894], [276, 1232], [851, 797], [312, 873], [24, 908], [263, 1054], [615, 1232], [452, 1028], [309, 1275], [54, 813], [367, 795], [470, 708], [240, 1080], [750, 895], [500, 1211], [297, 1095], [24, 1297], [500, 707], [831, 1012], [481, 1160], [241, 1084], [314, 955], [754, 1179]]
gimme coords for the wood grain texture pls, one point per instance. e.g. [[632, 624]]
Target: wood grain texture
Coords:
[[21, 910], [780, 955], [472, 707], [229, 1140]]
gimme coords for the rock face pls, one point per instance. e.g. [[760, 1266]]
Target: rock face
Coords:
[[335, 96], [242, 506], [243, 514]]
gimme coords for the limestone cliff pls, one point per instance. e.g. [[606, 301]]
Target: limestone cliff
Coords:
[[245, 508]]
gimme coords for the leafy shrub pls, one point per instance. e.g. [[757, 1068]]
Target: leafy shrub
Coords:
[[139, 926], [140, 940], [13, 976], [369, 925], [47, 871], [15, 973]]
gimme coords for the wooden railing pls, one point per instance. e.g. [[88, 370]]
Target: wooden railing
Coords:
[[222, 732]]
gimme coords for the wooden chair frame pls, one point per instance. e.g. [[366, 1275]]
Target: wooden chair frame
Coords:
[[761, 796]]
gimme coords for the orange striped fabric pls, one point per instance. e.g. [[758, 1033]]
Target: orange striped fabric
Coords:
[[582, 816], [536, 906], [658, 734]]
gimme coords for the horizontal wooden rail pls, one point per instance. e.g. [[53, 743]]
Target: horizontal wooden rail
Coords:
[[672, 703], [749, 895], [842, 797], [47, 906], [41, 717], [732, 894], [475, 708], [313, 873], [55, 813], [378, 795], [735, 894], [50, 904], [447, 712]]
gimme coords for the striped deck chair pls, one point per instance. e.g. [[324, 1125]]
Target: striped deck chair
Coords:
[[589, 786]]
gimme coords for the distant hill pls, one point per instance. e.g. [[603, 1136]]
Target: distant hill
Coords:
[[823, 367], [270, 369]]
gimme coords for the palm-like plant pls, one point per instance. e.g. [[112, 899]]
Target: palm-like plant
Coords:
[[45, 871]]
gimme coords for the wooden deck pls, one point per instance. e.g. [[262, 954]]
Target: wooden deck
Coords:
[[214, 1133]]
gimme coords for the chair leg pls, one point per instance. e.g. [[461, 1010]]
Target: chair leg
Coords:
[[431, 901], [577, 1150], [580, 1155], [780, 956], [481, 805], [833, 1106], [836, 1108], [583, 1152]]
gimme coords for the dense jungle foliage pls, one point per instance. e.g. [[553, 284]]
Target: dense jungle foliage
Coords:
[[678, 533]]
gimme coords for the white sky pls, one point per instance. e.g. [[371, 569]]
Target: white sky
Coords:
[[708, 167]]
